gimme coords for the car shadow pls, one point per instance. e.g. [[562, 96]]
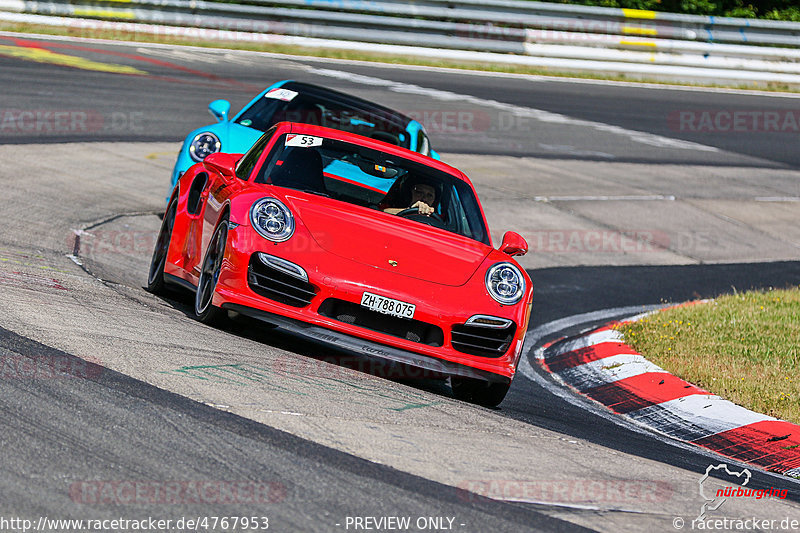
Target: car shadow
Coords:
[[322, 353]]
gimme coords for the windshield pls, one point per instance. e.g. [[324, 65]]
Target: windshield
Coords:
[[370, 178], [271, 109]]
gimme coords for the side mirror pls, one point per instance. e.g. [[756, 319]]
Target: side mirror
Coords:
[[223, 163], [513, 244], [219, 109]]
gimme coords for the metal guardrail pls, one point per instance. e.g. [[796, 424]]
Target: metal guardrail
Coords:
[[554, 16], [533, 29], [500, 17]]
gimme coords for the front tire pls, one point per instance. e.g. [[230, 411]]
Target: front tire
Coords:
[[204, 309], [155, 278], [487, 394]]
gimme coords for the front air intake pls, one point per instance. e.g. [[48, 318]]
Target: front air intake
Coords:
[[278, 285], [481, 340], [404, 328]]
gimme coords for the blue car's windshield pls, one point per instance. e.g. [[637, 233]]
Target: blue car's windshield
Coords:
[[314, 109], [370, 178]]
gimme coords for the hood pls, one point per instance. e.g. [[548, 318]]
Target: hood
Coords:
[[380, 240], [238, 138]]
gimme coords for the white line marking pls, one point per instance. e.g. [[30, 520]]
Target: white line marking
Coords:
[[565, 505], [641, 198], [777, 199], [607, 335], [703, 414], [538, 333], [571, 150], [526, 112], [607, 370]]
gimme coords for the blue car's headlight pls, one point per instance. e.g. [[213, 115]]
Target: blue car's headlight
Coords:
[[203, 145], [272, 220], [505, 283]]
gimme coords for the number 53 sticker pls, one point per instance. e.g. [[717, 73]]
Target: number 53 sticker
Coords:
[[304, 141]]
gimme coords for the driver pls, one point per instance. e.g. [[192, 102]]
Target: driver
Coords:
[[422, 196]]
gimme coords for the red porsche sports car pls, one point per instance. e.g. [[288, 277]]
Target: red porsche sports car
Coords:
[[356, 242]]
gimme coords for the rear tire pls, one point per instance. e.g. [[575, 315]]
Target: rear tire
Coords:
[[155, 278], [487, 394], [205, 311]]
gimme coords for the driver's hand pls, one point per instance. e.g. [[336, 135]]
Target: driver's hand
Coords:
[[424, 209]]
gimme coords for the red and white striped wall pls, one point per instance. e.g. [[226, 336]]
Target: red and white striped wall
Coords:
[[599, 365]]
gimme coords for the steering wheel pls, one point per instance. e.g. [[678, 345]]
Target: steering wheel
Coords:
[[415, 211], [434, 219]]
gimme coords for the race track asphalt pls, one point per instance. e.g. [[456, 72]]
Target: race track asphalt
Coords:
[[132, 420]]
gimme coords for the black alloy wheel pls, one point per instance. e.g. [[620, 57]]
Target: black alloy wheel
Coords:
[[155, 278], [204, 309]]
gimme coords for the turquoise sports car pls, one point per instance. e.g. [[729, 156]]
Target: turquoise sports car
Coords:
[[293, 101]]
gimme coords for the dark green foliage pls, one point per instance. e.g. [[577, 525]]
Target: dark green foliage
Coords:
[[768, 9]]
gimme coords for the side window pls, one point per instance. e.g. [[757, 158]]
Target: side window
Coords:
[[271, 161], [196, 192], [250, 159], [423, 144], [456, 215]]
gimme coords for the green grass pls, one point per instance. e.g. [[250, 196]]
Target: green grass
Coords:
[[744, 347], [363, 56]]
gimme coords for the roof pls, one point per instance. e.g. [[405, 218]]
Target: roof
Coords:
[[387, 114]]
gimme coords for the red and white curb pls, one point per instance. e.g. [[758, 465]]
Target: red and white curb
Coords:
[[598, 364]]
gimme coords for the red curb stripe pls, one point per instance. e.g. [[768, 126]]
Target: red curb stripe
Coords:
[[587, 355], [559, 344], [761, 443], [771, 444], [641, 391]]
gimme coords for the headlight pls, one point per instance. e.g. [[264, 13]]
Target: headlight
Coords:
[[272, 220], [505, 283], [203, 145]]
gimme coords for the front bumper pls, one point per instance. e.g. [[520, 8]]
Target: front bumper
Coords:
[[442, 306], [367, 347]]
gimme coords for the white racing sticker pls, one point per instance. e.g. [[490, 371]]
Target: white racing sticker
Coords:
[[281, 94], [303, 141]]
